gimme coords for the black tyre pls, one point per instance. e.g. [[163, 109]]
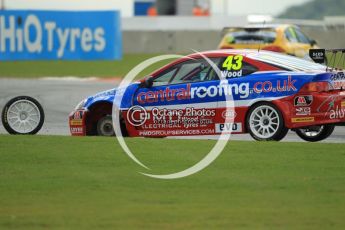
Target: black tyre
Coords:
[[22, 115], [105, 126], [315, 133], [265, 123]]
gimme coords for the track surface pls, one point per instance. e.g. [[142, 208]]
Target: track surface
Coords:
[[59, 97]]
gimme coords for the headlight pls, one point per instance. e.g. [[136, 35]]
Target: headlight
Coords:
[[80, 105]]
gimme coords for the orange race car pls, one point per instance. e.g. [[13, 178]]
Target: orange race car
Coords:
[[283, 38]]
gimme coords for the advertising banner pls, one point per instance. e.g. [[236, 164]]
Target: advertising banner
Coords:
[[55, 35]]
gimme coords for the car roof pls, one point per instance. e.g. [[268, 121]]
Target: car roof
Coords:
[[283, 60], [224, 52], [260, 26]]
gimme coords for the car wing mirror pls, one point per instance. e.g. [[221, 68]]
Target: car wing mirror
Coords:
[[313, 42], [147, 82]]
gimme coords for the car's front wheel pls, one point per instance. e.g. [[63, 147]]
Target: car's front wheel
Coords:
[[105, 126], [315, 133], [265, 123]]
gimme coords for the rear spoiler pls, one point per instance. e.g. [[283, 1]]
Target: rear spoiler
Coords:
[[334, 59], [246, 28]]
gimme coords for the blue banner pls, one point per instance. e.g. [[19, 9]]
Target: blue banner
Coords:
[[54, 35]]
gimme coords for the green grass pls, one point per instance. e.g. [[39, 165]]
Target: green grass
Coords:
[[32, 69], [51, 182]]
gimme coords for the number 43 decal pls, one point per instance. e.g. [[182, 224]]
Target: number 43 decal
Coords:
[[233, 62]]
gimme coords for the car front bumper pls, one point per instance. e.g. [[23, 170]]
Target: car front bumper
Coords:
[[77, 122]]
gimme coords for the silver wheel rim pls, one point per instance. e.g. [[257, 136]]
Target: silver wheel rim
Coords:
[[107, 128], [312, 132], [264, 122], [23, 116]]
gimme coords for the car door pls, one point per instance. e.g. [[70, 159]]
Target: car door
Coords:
[[182, 101], [236, 69]]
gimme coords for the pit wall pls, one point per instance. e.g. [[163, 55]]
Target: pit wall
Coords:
[[180, 41]]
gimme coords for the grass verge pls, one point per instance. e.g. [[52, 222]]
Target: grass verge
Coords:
[[33, 69], [52, 182]]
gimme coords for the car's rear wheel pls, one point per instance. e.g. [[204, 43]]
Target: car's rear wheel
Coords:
[[22, 115], [265, 123], [315, 133], [105, 126]]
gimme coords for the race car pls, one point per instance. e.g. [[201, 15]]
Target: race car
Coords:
[[271, 94], [282, 38]]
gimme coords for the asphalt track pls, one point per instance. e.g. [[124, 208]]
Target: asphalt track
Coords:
[[59, 96]]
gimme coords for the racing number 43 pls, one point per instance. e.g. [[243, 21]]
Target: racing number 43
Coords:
[[233, 62]]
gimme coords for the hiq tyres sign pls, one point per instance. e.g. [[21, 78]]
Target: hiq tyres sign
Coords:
[[68, 35]]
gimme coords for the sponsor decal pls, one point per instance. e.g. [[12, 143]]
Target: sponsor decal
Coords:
[[281, 86], [303, 100], [337, 113], [339, 76], [318, 55], [78, 115], [59, 35], [189, 92], [339, 85], [76, 122], [233, 67], [228, 127], [176, 132], [233, 62], [224, 89], [302, 111], [230, 114], [77, 130], [342, 104], [338, 80], [302, 119], [330, 101], [241, 89], [231, 74]]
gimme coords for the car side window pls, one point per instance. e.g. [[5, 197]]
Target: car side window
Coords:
[[301, 37], [164, 78], [231, 67], [188, 71], [290, 35]]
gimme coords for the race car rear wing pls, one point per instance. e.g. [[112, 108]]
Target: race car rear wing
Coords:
[[249, 28], [334, 59]]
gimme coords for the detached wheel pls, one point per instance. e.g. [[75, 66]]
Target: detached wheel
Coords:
[[315, 133], [105, 126], [22, 115], [265, 123]]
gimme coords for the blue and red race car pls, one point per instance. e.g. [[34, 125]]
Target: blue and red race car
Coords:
[[271, 92]]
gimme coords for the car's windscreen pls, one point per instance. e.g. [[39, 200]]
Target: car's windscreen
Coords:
[[194, 70], [288, 62], [250, 36]]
